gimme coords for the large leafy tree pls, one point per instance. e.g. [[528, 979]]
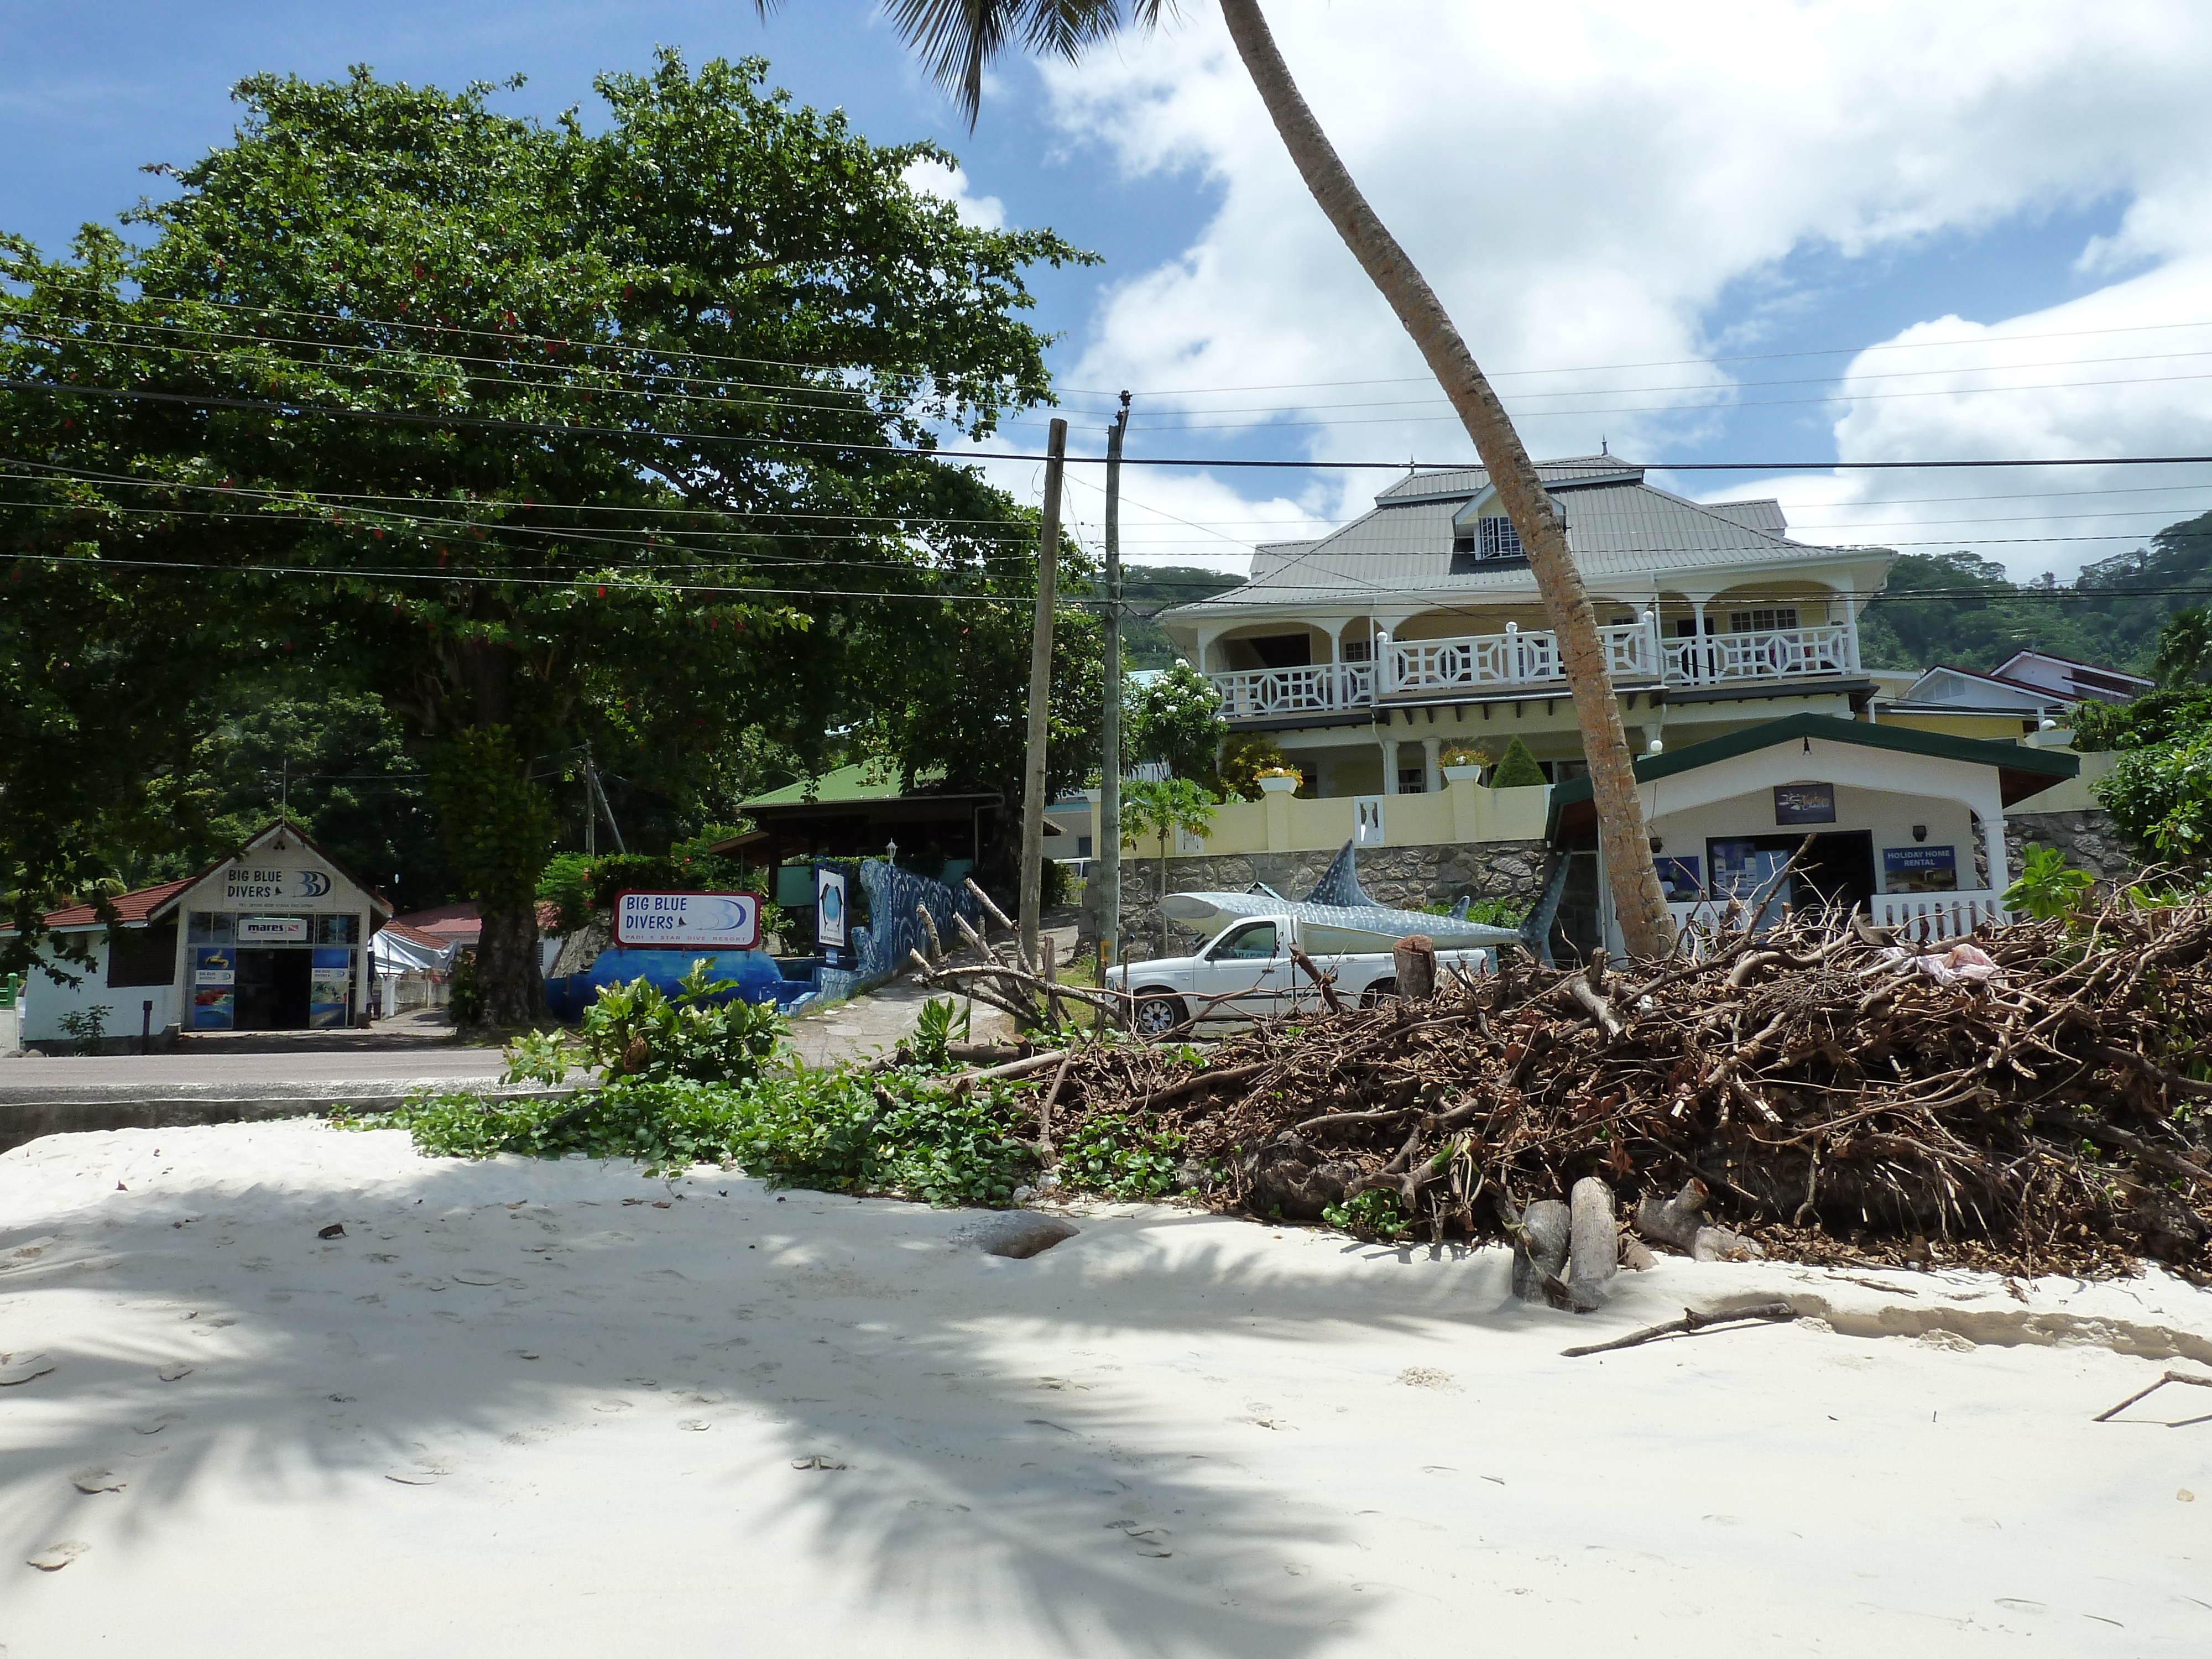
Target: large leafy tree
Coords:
[[548, 434], [959, 38]]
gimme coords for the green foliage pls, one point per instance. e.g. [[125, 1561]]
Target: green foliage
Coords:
[[2162, 796], [1150, 810], [1245, 755], [1489, 912], [1961, 609], [361, 246], [2184, 648], [941, 1023], [463, 999], [2155, 719], [87, 1025], [836, 1131], [1176, 719], [538, 1057], [2048, 887], [497, 822], [633, 1031], [1516, 768], [1375, 1213], [1147, 589], [1122, 1157]]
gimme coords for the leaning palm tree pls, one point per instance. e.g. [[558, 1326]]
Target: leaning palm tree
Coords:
[[959, 38]]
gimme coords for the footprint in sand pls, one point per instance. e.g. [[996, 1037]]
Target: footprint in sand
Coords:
[[91, 1481], [56, 1555], [695, 1425], [156, 1425], [173, 1372]]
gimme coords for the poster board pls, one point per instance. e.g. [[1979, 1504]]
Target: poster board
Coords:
[[832, 912], [330, 986], [214, 987], [684, 922]]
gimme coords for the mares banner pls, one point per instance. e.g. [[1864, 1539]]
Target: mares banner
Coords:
[[831, 931]]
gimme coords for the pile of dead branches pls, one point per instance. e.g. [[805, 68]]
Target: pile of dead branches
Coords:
[[2033, 1099]]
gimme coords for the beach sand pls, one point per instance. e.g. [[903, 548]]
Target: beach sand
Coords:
[[526, 1408]]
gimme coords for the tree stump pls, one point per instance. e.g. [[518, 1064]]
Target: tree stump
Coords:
[[1539, 1252], [1415, 957], [1594, 1250]]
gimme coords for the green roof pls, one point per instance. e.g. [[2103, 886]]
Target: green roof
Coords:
[[2040, 766], [872, 780]]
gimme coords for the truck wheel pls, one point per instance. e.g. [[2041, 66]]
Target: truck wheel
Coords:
[[1382, 991], [1157, 1014]]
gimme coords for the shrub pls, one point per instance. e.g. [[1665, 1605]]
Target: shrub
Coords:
[[836, 1131], [635, 1030], [1122, 1158], [2048, 887], [87, 1026], [1375, 1213], [1463, 754], [463, 1000], [1246, 758], [1516, 768], [2162, 796]]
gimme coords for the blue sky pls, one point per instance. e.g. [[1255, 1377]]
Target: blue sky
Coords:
[[1669, 235]]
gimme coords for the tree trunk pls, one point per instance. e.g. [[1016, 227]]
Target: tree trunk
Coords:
[[1647, 926], [1414, 960], [508, 983]]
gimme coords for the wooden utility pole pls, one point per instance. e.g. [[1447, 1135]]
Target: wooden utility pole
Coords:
[[1033, 800], [1108, 905]]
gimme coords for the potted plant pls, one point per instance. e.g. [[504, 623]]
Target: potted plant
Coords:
[[1280, 779], [1463, 762]]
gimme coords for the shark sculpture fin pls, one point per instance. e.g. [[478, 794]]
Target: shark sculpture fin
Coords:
[[1460, 906], [1340, 883]]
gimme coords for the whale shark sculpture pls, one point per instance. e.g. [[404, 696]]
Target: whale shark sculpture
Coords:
[[1337, 914]]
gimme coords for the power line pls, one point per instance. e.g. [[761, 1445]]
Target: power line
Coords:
[[1412, 468]]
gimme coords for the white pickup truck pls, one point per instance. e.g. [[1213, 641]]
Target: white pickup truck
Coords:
[[1246, 971]]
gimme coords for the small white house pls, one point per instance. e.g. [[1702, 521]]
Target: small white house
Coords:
[[273, 937]]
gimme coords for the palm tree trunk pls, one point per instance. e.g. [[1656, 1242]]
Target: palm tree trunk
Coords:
[[1647, 927]]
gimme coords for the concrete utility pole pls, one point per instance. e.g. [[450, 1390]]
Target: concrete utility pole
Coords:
[[596, 791], [1108, 903], [1033, 800]]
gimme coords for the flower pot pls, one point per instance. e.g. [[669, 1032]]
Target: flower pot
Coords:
[[1279, 786], [1463, 774]]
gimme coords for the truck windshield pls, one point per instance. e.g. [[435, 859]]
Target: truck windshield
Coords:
[[1253, 942]]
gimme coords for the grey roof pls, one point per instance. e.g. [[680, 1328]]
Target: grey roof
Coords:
[[1764, 515], [1618, 527]]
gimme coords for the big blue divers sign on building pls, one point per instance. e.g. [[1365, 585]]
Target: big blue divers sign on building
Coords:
[[677, 921]]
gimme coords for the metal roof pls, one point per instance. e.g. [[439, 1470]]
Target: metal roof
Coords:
[[1618, 527]]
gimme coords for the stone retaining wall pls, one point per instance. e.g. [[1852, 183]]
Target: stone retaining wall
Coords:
[[1407, 877], [2089, 840]]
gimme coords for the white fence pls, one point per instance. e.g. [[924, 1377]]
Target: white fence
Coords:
[[1918, 918]]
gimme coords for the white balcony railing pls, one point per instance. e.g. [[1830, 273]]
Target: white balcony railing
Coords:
[[1634, 651], [1918, 918]]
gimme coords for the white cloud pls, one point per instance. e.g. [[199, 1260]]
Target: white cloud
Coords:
[[1587, 183], [951, 185]]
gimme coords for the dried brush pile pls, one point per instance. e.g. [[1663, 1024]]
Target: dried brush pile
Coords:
[[2035, 1099]]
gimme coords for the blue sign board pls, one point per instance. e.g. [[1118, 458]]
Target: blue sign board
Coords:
[[1920, 869]]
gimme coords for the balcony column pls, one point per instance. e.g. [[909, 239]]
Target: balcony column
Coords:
[[1700, 664], [1514, 674], [1390, 766], [1385, 683], [1431, 748]]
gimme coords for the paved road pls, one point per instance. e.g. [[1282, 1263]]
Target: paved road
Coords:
[[23, 1076]]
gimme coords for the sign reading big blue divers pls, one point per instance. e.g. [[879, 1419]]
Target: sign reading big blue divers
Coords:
[[677, 921]]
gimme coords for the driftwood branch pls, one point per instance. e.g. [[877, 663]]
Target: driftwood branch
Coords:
[[1690, 1323], [2107, 1415]]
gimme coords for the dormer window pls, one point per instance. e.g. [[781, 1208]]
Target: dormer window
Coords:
[[1494, 537], [1498, 539]]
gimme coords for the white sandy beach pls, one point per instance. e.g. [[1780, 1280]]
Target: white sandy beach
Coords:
[[1171, 1435]]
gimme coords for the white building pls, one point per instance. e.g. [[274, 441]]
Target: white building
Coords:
[[272, 937], [1389, 658]]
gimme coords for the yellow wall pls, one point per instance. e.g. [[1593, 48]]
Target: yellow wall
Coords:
[[1463, 812]]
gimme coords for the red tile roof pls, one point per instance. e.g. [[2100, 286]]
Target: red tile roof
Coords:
[[417, 935], [443, 924], [129, 906]]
